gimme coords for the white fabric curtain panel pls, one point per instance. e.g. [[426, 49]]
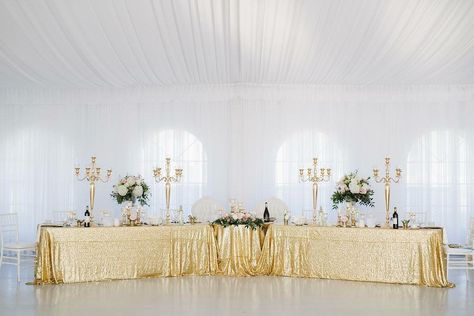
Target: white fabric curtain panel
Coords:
[[239, 141], [123, 43]]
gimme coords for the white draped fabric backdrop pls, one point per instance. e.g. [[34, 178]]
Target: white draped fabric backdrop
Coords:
[[239, 141]]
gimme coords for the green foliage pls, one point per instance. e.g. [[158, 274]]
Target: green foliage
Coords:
[[249, 222]]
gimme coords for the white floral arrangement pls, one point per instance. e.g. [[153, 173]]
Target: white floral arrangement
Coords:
[[131, 188], [352, 188]]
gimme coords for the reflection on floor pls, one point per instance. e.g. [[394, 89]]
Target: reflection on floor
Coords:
[[233, 296]]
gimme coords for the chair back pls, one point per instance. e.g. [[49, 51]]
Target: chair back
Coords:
[[61, 216], [206, 209], [9, 226], [276, 207]]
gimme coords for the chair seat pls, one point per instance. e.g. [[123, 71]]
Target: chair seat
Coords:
[[459, 251], [20, 246]]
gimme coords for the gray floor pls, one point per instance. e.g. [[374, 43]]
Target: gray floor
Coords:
[[233, 296]]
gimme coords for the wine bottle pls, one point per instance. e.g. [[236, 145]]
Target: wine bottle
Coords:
[[87, 217], [395, 218], [266, 213]]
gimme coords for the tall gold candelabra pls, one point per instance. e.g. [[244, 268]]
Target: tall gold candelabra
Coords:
[[168, 179], [312, 176], [387, 180], [92, 176]]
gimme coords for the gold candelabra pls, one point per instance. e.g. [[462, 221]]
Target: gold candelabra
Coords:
[[92, 175], [167, 179], [312, 176], [387, 180]]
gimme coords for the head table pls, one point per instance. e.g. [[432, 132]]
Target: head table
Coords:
[[68, 255]]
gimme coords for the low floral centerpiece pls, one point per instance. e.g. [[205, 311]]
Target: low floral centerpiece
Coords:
[[353, 189], [131, 189], [239, 217]]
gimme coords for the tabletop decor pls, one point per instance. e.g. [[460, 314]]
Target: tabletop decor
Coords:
[[131, 189], [239, 217], [405, 223], [92, 175], [352, 189], [387, 179], [167, 180], [312, 176]]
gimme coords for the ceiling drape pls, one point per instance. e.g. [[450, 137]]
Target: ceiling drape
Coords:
[[129, 43]]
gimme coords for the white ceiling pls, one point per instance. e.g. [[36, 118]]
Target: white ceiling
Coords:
[[131, 43]]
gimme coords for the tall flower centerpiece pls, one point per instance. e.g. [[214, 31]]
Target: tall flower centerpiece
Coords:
[[352, 189], [130, 190]]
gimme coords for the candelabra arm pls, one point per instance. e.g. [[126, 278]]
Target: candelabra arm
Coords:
[[82, 179], [104, 180], [379, 180]]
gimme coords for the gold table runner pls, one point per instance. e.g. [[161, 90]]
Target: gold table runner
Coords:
[[359, 254], [238, 249], [66, 255]]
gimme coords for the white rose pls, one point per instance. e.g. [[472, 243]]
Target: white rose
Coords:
[[363, 190], [138, 191], [235, 216], [354, 187], [138, 181], [342, 188], [122, 190], [131, 181]]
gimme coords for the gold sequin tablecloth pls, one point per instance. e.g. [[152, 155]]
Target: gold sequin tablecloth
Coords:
[[67, 255], [238, 249], [359, 254]]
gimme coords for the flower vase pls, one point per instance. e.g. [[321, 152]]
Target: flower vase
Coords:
[[350, 213]]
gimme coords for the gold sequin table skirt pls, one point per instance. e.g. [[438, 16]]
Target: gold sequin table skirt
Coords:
[[358, 254], [238, 249], [67, 255]]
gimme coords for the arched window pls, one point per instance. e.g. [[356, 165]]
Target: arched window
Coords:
[[298, 152], [186, 152], [438, 182]]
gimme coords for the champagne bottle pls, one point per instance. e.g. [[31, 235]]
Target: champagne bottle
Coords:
[[266, 213], [87, 217], [395, 218]]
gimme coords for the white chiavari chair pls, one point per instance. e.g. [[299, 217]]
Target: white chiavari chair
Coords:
[[276, 207], [206, 209], [61, 216], [460, 258], [11, 248]]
